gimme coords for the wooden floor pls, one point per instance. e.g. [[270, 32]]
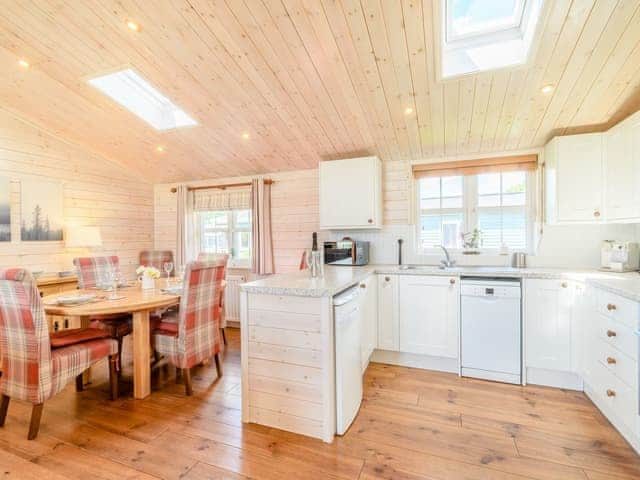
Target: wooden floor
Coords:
[[413, 425]]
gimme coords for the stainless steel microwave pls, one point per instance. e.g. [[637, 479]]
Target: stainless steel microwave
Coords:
[[346, 252]]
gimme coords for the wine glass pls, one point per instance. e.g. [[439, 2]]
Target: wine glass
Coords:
[[168, 267], [115, 281], [180, 272]]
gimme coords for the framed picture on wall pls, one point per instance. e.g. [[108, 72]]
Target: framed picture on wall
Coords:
[[5, 210], [42, 211]]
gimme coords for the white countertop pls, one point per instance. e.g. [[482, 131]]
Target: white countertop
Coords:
[[339, 278], [625, 287]]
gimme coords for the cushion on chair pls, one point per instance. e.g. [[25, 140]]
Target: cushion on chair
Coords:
[[117, 326], [69, 362], [65, 338], [167, 325]]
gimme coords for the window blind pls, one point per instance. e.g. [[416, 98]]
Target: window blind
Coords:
[[474, 167], [216, 199]]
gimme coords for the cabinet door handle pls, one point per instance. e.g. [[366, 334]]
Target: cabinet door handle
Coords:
[[611, 360], [564, 285], [387, 279], [611, 333], [611, 393], [363, 285], [611, 306], [452, 281], [596, 213], [370, 220], [66, 323]]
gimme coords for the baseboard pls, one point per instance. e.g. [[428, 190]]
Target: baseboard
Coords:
[[413, 360], [552, 378]]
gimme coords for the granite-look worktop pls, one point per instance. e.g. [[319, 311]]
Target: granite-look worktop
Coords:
[[339, 278], [627, 287]]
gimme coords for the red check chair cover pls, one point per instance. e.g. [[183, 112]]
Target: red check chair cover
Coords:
[[31, 370], [156, 258], [198, 336], [91, 271], [220, 259]]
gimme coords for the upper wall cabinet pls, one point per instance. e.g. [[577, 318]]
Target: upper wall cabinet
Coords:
[[622, 171], [574, 187], [593, 177], [351, 193]]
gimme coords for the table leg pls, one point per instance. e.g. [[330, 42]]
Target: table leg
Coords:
[[141, 355]]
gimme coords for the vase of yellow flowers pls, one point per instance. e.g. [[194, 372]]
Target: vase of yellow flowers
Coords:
[[148, 276]]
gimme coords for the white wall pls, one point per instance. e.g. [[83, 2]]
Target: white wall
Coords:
[[295, 217], [96, 192]]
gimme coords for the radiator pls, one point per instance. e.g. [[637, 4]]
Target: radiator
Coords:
[[232, 297]]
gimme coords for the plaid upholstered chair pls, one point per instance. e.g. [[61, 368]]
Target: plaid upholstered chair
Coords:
[[194, 335], [156, 258], [32, 370], [218, 259], [92, 271]]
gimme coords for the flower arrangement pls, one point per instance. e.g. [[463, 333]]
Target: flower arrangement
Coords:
[[148, 272]]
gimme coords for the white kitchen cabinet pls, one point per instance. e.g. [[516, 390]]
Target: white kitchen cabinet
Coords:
[[622, 171], [388, 313], [368, 301], [573, 179], [548, 317], [610, 360], [429, 319], [351, 193]]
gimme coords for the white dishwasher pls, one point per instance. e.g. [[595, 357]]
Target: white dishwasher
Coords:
[[491, 331], [346, 313]]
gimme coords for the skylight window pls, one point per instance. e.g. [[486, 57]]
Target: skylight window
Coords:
[[138, 96], [480, 35], [468, 17]]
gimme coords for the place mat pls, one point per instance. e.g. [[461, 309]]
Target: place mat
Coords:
[[69, 301]]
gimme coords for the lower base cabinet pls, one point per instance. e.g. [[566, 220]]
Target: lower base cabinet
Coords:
[[429, 320], [610, 360], [388, 313], [368, 303]]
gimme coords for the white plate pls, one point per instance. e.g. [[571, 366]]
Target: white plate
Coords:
[[75, 299]]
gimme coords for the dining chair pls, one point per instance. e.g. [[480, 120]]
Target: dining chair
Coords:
[[219, 259], [156, 258], [193, 336], [91, 271], [33, 370]]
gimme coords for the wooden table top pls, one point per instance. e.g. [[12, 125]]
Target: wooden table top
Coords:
[[134, 300]]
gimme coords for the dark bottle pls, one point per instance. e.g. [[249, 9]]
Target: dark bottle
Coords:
[[314, 246]]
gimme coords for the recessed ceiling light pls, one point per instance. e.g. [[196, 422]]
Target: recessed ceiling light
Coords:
[[408, 111], [133, 26], [245, 135], [547, 89], [144, 100], [23, 63], [160, 149]]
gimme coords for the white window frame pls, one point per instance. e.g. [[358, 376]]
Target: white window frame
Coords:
[[454, 58], [229, 230], [470, 213]]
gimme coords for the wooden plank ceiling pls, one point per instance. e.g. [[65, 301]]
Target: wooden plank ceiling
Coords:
[[307, 80]]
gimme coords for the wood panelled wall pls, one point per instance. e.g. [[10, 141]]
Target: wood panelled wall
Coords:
[[294, 209], [96, 192]]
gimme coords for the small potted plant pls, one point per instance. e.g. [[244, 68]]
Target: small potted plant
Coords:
[[148, 276], [471, 242]]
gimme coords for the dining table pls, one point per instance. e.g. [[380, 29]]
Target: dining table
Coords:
[[127, 300]]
